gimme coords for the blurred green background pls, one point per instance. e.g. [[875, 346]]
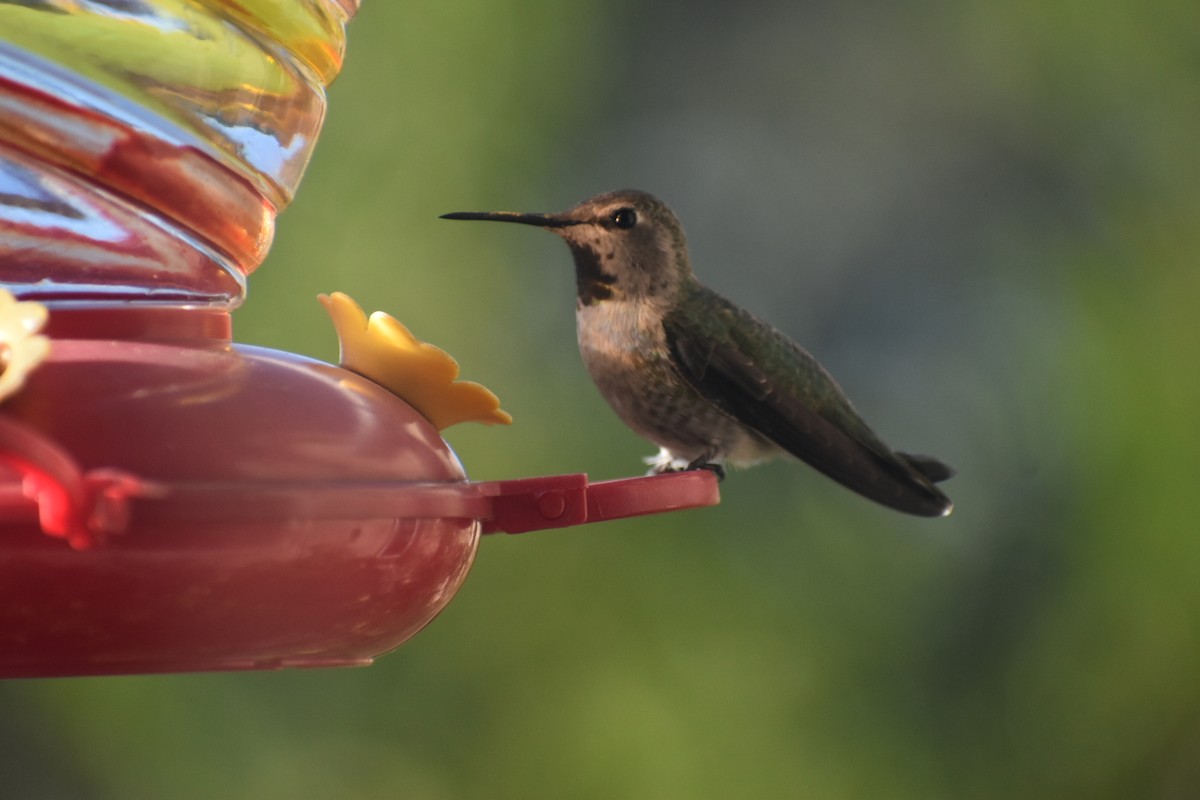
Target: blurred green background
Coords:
[[982, 217]]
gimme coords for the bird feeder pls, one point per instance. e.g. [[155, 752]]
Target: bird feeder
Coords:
[[171, 500]]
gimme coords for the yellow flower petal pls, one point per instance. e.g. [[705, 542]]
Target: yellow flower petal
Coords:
[[419, 373], [22, 348]]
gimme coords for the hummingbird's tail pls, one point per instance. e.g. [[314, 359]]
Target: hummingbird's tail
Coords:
[[931, 468]]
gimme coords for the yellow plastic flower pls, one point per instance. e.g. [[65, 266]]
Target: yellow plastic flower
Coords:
[[419, 373], [22, 347]]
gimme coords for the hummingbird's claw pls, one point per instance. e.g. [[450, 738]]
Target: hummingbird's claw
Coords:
[[702, 463], [664, 463]]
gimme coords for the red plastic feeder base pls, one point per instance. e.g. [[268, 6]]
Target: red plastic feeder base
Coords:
[[172, 502]]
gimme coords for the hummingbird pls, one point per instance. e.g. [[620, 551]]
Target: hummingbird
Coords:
[[705, 380]]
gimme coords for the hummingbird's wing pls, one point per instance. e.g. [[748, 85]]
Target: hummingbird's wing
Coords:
[[758, 376]]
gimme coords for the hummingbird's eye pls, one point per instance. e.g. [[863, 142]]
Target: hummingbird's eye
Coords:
[[624, 218]]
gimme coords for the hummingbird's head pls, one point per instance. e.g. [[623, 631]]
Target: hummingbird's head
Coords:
[[627, 244]]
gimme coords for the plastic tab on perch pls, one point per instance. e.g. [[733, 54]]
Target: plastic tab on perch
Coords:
[[533, 504]]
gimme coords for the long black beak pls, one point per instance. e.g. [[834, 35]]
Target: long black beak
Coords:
[[540, 220]]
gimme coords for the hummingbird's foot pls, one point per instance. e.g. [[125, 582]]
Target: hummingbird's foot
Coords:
[[665, 462], [703, 463]]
